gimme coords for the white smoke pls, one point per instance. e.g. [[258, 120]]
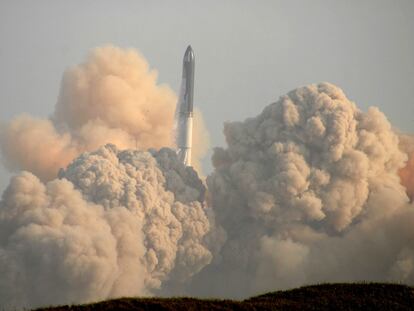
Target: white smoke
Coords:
[[308, 191], [116, 223]]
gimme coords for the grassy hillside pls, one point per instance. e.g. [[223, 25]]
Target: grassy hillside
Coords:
[[370, 296]]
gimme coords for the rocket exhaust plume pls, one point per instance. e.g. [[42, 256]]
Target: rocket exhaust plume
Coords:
[[116, 223], [112, 97], [407, 172], [184, 113], [307, 191]]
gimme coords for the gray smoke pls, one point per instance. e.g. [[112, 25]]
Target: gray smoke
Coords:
[[116, 223], [308, 191]]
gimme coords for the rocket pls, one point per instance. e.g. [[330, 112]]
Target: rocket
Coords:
[[184, 112]]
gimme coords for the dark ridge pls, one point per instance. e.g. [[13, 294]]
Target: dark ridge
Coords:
[[338, 297]]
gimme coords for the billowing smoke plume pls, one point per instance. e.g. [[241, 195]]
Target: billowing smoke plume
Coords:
[[116, 223], [407, 172], [308, 191], [311, 190], [111, 98]]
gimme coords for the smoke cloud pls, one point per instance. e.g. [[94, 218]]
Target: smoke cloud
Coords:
[[112, 97], [116, 223], [407, 172], [308, 191]]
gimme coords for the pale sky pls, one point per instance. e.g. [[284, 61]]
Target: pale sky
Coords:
[[248, 53]]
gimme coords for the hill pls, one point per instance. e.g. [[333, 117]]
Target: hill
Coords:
[[369, 296]]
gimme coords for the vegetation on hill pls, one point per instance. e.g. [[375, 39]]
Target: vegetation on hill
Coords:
[[369, 296]]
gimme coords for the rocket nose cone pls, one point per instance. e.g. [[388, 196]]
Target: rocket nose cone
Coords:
[[189, 54]]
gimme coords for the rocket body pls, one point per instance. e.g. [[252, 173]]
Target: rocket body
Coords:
[[184, 114]]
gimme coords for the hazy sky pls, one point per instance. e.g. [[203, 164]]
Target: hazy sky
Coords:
[[248, 53]]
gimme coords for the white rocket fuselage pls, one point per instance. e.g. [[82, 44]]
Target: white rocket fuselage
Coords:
[[185, 109]]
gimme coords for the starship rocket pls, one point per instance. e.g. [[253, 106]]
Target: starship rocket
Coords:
[[184, 113]]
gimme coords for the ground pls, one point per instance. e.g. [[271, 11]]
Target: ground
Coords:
[[362, 296]]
